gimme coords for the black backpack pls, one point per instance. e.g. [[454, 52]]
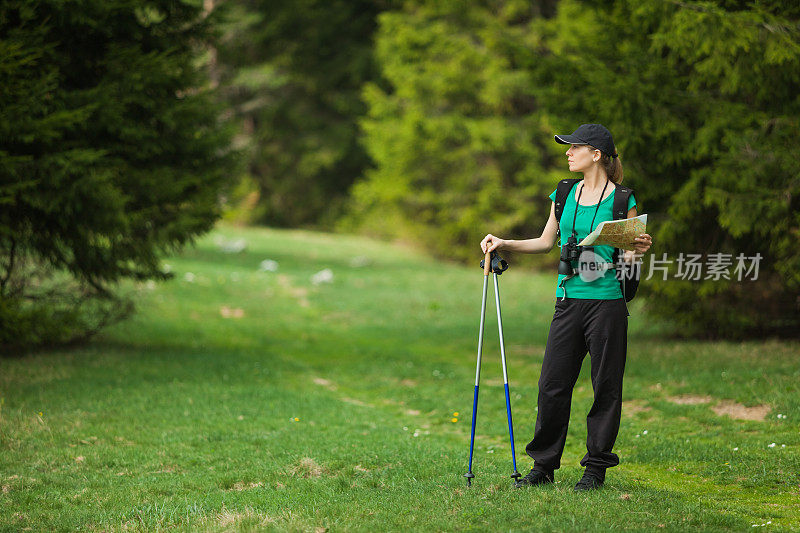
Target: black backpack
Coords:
[[628, 282]]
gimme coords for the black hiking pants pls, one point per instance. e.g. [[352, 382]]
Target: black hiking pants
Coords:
[[601, 328]]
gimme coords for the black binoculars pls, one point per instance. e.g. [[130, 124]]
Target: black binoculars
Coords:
[[571, 252]]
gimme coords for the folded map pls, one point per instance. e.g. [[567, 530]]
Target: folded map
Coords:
[[617, 233]]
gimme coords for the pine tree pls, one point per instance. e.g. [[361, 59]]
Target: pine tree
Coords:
[[111, 153]]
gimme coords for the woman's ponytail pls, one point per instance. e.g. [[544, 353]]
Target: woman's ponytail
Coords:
[[612, 166]]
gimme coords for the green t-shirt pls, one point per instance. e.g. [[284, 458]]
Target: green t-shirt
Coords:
[[607, 286]]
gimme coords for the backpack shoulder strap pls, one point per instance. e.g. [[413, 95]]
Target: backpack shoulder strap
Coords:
[[620, 209], [562, 193], [621, 196]]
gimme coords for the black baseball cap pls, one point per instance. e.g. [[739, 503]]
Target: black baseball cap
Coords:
[[593, 134]]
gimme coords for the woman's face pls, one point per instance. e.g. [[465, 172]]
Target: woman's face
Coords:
[[581, 157]]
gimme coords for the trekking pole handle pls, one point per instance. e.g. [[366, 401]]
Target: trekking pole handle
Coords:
[[492, 262]]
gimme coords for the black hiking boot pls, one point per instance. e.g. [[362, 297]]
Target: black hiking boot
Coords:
[[534, 477], [592, 479]]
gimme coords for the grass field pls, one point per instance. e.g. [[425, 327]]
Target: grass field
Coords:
[[240, 399]]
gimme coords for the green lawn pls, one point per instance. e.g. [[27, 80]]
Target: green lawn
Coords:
[[239, 399]]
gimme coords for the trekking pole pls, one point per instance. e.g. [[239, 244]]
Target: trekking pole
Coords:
[[516, 474], [486, 267], [492, 262]]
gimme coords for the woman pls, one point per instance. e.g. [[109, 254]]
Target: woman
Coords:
[[593, 317]]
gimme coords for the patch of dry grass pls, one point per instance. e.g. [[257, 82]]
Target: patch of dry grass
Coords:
[[306, 467]]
